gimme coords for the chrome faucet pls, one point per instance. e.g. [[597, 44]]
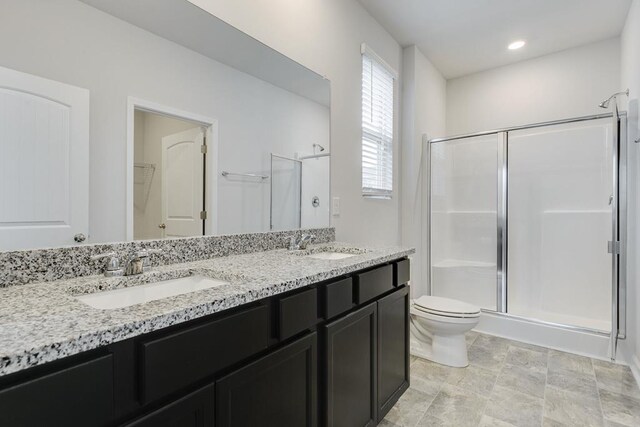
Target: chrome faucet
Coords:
[[301, 242], [112, 268], [139, 263], [136, 264]]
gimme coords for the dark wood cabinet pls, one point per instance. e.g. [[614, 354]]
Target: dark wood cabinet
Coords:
[[77, 395], [393, 349], [350, 370], [173, 361], [278, 390], [372, 283], [334, 354], [193, 410]]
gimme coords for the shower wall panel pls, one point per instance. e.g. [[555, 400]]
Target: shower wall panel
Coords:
[[559, 222]]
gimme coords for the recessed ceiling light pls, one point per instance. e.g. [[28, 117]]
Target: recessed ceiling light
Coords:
[[516, 45]]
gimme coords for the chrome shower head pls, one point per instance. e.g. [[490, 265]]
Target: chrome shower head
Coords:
[[605, 103], [320, 147]]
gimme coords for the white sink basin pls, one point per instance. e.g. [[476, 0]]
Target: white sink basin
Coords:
[[125, 297], [330, 255]]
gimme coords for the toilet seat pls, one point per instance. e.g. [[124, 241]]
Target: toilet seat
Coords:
[[445, 307]]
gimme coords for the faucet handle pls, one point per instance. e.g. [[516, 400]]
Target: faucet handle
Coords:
[[293, 242], [144, 254], [112, 268], [305, 240]]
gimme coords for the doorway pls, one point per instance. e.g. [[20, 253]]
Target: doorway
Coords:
[[169, 176]]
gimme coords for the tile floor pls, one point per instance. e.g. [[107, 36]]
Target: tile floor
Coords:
[[508, 383]]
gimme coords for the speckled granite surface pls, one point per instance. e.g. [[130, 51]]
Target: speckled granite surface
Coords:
[[42, 322], [45, 265]]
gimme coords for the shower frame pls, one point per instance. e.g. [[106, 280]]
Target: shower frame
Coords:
[[619, 221]]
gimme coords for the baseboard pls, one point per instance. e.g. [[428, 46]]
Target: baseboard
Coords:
[[557, 338]]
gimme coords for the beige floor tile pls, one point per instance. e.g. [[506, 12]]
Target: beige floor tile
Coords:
[[515, 408], [525, 358], [620, 408], [473, 378], [430, 370], [470, 337], [429, 421], [573, 381], [456, 406], [616, 378], [547, 422], [528, 346], [559, 360], [488, 421], [486, 357], [409, 409], [572, 409], [495, 343], [523, 380]]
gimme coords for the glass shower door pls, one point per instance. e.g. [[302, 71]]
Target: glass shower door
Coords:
[[559, 209], [463, 223], [286, 187]]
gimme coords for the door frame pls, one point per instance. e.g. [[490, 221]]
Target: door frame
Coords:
[[211, 170]]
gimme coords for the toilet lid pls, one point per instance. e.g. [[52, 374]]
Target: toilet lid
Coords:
[[445, 306]]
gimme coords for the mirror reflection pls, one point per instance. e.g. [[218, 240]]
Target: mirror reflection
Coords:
[[117, 127]]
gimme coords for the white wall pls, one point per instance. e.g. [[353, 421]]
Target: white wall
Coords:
[[424, 104], [81, 46], [566, 84], [630, 78], [325, 36]]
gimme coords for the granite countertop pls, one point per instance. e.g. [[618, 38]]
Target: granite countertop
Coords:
[[42, 322]]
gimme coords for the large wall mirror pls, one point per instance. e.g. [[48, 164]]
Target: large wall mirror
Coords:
[[151, 119]]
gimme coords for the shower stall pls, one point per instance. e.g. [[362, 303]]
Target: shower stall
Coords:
[[529, 223]]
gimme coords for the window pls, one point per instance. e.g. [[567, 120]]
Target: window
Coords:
[[377, 125]]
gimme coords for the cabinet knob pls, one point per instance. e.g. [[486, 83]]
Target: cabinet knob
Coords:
[[79, 237], [163, 226]]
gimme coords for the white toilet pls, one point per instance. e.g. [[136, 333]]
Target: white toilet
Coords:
[[438, 326]]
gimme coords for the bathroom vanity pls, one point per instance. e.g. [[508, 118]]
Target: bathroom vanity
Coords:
[[291, 338]]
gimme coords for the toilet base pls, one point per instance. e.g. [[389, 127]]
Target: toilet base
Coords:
[[449, 350]]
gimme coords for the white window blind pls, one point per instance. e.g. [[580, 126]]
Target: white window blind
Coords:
[[377, 126]]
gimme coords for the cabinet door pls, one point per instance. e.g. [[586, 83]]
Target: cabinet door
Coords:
[[277, 390], [193, 410], [351, 370], [78, 395], [393, 349]]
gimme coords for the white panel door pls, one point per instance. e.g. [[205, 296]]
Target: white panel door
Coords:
[[182, 183], [44, 161]]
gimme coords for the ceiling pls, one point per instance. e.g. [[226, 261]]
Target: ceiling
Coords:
[[466, 36]]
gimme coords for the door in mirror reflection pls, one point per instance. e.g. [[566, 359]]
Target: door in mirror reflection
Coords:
[[44, 162], [182, 184], [169, 178]]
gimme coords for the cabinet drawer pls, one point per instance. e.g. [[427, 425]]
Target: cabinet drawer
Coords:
[[81, 395], [298, 313], [337, 297], [174, 361], [192, 410], [374, 282], [402, 272]]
